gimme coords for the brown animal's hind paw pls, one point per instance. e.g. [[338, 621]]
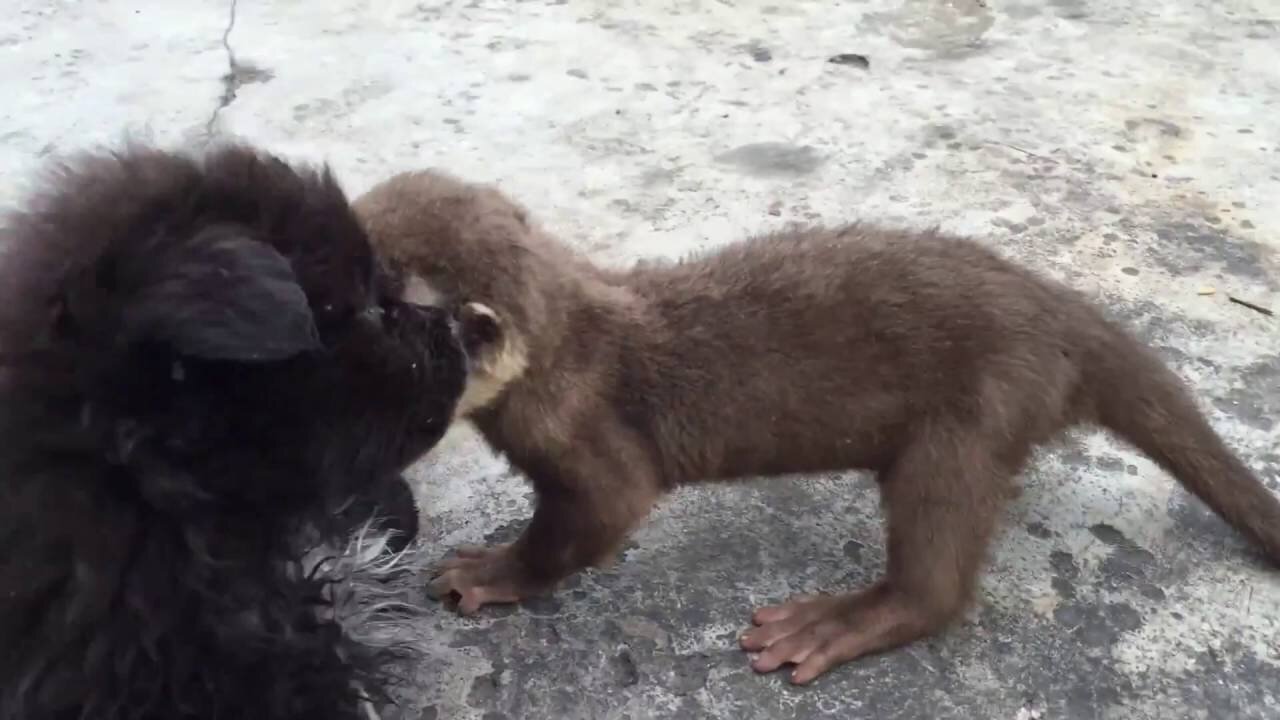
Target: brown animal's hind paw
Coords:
[[819, 632]]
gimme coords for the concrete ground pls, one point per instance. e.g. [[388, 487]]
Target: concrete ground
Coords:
[[1129, 149]]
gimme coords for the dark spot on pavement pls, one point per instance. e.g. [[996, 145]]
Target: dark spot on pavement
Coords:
[[684, 674], [1098, 625], [1127, 564], [759, 53], [1038, 530], [624, 668], [1253, 399], [773, 159], [1152, 126], [853, 550], [851, 59], [1188, 248], [484, 689], [1111, 463], [1065, 572]]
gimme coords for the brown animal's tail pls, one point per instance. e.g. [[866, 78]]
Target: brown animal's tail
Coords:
[[1140, 399]]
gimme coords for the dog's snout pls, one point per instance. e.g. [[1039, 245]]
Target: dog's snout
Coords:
[[375, 316], [425, 319]]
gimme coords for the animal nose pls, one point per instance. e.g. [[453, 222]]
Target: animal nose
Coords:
[[375, 316]]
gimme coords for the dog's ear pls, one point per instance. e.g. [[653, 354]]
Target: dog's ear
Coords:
[[223, 296]]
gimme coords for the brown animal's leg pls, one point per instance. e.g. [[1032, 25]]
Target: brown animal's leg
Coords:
[[583, 514], [942, 498]]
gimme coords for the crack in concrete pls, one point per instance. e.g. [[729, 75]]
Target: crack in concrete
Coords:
[[231, 81]]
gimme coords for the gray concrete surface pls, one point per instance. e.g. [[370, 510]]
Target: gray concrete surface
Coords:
[[1130, 149]]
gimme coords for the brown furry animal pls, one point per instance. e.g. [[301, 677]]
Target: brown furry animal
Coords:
[[924, 358]]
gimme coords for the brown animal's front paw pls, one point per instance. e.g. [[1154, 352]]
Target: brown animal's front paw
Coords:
[[480, 576]]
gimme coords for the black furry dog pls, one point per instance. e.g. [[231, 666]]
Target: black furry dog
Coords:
[[203, 370]]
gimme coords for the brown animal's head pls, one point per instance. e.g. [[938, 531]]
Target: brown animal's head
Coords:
[[469, 248]]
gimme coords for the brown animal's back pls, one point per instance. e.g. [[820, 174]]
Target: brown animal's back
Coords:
[[815, 350]]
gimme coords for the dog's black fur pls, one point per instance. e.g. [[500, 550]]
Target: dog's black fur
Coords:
[[200, 364]]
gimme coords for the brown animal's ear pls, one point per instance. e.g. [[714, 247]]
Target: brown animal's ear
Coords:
[[479, 327], [223, 296]]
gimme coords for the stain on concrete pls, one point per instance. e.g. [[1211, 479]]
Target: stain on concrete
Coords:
[[1187, 247], [246, 73], [1097, 626], [773, 159], [1070, 9], [625, 671], [1252, 399], [950, 31], [684, 674], [1039, 530], [656, 177], [1145, 127], [939, 134], [1258, 693], [1065, 573], [758, 52], [1127, 565], [856, 60], [322, 107]]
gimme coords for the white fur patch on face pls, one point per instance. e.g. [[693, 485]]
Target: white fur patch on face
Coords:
[[420, 292]]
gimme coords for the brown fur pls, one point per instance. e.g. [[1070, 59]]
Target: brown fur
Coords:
[[924, 358]]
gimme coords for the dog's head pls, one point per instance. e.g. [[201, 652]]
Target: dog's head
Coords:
[[199, 357], [224, 313]]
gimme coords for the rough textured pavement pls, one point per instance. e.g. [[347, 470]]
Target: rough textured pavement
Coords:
[[1130, 149]]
